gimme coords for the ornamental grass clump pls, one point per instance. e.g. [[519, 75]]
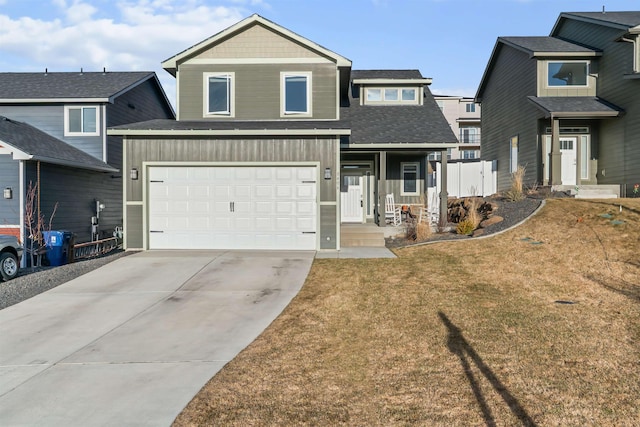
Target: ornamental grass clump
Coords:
[[516, 193], [465, 227]]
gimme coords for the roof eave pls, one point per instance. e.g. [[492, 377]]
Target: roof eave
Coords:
[[54, 100], [399, 145], [425, 81], [568, 15], [539, 54], [228, 132]]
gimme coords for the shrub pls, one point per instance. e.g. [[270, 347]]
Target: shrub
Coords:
[[423, 231], [465, 227], [515, 193], [473, 215]]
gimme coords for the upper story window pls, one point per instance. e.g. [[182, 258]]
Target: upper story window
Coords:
[[470, 108], [391, 95], [219, 89], [567, 73], [296, 94], [81, 120]]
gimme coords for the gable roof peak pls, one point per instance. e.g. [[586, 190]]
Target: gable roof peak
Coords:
[[171, 64]]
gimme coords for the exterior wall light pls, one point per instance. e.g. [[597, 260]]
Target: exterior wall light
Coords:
[[134, 174], [8, 193], [327, 173]]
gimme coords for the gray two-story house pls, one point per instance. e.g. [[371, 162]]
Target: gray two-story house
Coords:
[[53, 137], [277, 143], [566, 106]]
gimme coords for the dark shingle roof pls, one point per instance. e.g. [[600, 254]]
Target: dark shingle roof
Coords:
[[67, 85], [398, 123], [626, 19], [545, 44], [166, 124], [44, 147], [583, 106], [386, 74]]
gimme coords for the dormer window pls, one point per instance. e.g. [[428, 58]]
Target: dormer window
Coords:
[[391, 95], [81, 121], [567, 73]]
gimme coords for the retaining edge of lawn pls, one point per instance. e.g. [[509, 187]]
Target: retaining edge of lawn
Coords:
[[497, 233]]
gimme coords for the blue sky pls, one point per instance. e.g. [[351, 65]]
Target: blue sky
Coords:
[[447, 40]]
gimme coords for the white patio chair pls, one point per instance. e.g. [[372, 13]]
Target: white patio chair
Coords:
[[433, 206], [392, 213]]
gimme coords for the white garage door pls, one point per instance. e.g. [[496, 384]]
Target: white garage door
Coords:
[[232, 207]]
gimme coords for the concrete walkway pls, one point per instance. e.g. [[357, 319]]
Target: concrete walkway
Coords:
[[132, 342]]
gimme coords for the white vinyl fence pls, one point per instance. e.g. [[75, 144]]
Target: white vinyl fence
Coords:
[[469, 179]]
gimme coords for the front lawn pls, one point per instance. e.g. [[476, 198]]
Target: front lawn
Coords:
[[536, 326]]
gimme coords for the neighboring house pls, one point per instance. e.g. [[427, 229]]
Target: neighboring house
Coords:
[[463, 115], [277, 143], [53, 134], [566, 106]]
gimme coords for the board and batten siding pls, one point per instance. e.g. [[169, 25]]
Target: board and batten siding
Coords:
[[257, 90], [229, 152], [50, 119], [75, 191], [619, 138], [506, 112], [9, 177]]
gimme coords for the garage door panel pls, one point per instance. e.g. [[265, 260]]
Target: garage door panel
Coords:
[[233, 207]]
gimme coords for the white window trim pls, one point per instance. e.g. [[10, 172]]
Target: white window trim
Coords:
[[636, 54], [546, 81], [402, 167], [231, 90], [283, 76], [383, 101], [513, 155], [67, 132]]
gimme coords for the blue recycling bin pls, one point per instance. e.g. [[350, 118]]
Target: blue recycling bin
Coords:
[[58, 246]]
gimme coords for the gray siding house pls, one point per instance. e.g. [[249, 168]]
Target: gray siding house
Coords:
[[53, 134], [566, 106], [277, 143]]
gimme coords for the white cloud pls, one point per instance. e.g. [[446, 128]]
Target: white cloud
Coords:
[[139, 35]]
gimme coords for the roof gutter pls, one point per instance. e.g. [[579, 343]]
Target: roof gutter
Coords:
[[228, 132]]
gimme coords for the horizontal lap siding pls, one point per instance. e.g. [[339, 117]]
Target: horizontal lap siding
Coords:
[[50, 119], [144, 102], [75, 191], [619, 138], [257, 90], [506, 112]]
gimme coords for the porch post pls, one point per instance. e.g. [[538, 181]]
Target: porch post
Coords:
[[444, 195], [382, 187], [555, 167]]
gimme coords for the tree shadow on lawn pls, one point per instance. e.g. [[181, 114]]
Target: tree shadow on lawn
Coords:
[[459, 346]]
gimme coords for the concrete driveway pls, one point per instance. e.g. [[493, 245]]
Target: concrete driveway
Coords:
[[132, 342]]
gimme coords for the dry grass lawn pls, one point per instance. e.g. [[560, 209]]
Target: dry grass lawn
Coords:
[[456, 334]]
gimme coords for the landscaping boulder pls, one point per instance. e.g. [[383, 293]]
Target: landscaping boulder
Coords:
[[490, 221]]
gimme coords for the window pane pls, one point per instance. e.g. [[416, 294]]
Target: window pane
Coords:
[[374, 95], [391, 94], [567, 73], [89, 120], [75, 120], [471, 108], [409, 178], [408, 94], [219, 94], [295, 94]]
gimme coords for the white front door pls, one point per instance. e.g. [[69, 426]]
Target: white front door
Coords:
[[351, 199], [568, 148]]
